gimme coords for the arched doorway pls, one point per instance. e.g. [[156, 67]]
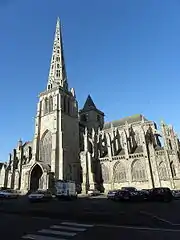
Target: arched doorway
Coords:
[[35, 177]]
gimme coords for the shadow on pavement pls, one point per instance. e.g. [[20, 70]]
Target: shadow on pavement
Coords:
[[88, 209]]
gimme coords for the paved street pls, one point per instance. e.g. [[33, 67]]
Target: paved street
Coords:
[[88, 218]]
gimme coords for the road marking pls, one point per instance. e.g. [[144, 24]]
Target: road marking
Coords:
[[160, 219], [98, 213], [138, 228], [76, 224], [68, 228], [41, 218], [69, 234], [38, 237]]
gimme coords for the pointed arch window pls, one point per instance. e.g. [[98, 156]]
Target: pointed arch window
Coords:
[[64, 104], [68, 105], [170, 144], [163, 175], [50, 104], [173, 170], [46, 106], [46, 147], [137, 138], [120, 173], [138, 171], [122, 139], [58, 73], [105, 173]]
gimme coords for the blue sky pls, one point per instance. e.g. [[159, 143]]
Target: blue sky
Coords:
[[126, 54]]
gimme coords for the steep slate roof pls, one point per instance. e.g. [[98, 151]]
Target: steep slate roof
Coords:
[[132, 119], [89, 104]]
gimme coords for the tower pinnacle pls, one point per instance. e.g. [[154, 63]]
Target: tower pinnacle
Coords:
[[57, 72]]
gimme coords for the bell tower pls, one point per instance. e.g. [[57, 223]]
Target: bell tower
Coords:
[[56, 139]]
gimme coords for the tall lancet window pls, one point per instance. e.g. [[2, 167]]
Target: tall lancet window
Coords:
[[68, 105], [163, 174], [46, 106], [46, 147], [105, 173], [65, 104], [137, 138], [50, 104], [122, 140]]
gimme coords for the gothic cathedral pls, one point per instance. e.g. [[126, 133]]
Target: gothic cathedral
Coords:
[[72, 144]]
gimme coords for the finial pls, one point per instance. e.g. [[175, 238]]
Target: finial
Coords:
[[99, 130], [73, 92], [162, 122], [143, 120], [86, 131], [93, 133]]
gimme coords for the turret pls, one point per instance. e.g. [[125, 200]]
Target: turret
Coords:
[[90, 116]]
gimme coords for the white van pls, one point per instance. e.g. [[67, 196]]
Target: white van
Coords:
[[65, 189]]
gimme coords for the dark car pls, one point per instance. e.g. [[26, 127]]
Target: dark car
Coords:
[[145, 194], [130, 189], [122, 195], [134, 193], [161, 194], [111, 194]]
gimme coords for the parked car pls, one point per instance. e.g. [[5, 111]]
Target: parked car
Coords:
[[111, 194], [161, 194], [9, 194], [145, 194], [134, 194], [176, 194], [40, 195], [130, 189], [122, 195], [93, 192]]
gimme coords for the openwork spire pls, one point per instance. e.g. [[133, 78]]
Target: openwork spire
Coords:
[[57, 73]]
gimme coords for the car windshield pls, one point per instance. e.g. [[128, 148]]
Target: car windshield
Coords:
[[40, 192], [9, 191], [123, 191], [111, 191], [129, 188]]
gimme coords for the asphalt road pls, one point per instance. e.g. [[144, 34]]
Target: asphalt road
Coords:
[[88, 218]]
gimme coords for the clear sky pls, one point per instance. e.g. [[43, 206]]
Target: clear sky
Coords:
[[125, 53]]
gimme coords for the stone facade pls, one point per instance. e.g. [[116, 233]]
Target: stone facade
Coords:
[[129, 152], [77, 145]]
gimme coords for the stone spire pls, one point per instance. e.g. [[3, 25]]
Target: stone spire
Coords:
[[57, 72]]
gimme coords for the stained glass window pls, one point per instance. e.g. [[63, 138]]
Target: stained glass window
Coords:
[[138, 171]]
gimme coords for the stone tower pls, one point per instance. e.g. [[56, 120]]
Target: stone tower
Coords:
[[90, 116], [56, 139]]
